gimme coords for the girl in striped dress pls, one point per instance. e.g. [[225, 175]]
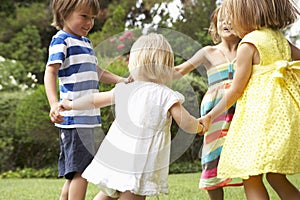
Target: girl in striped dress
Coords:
[[219, 61], [263, 140]]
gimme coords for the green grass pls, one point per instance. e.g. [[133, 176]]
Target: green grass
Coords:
[[181, 187]]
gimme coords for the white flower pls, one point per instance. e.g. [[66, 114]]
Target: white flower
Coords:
[[23, 87], [13, 80], [2, 59]]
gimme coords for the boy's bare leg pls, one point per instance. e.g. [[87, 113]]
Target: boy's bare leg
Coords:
[[65, 190], [77, 188]]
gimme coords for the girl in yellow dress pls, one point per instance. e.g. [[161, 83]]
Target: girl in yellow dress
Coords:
[[264, 136]]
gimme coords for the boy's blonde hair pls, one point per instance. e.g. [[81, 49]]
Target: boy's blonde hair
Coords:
[[61, 9], [152, 59], [248, 15]]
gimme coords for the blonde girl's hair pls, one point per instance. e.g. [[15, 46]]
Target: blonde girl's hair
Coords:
[[152, 59], [249, 15], [213, 29], [61, 9]]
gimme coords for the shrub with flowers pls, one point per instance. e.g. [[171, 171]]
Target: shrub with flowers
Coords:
[[13, 76], [116, 47]]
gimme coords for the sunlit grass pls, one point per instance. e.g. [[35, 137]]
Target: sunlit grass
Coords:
[[181, 186]]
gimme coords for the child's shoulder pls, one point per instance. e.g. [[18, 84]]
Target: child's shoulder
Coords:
[[63, 35], [210, 49]]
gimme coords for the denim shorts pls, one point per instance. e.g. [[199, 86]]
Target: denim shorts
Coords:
[[77, 149]]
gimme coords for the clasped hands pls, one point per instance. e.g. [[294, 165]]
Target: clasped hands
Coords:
[[205, 121]]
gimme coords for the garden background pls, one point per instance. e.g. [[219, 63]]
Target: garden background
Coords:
[[29, 144]]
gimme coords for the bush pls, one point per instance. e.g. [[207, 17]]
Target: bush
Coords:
[[14, 76], [49, 172], [36, 138], [8, 103]]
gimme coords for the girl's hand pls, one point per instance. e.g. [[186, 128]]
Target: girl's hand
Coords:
[[126, 80], [206, 122]]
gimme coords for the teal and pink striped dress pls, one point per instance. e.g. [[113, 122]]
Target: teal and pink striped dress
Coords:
[[219, 79]]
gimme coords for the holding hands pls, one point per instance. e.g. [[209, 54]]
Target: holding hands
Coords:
[[55, 115], [64, 105], [206, 122]]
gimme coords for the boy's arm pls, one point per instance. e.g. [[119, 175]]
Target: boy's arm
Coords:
[[110, 78], [51, 91], [185, 121]]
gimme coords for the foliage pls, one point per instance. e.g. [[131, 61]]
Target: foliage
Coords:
[[7, 8], [49, 172], [26, 48], [13, 24], [27, 136], [119, 67], [113, 25], [35, 135], [195, 21], [185, 167], [8, 102], [14, 76]]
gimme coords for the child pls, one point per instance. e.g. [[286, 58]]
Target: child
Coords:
[[72, 59], [132, 161], [218, 60], [264, 135]]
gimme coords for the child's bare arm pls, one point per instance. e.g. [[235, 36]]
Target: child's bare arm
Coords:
[[185, 121], [189, 65], [51, 91], [96, 100], [295, 52]]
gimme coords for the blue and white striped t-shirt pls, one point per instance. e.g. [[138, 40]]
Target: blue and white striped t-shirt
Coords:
[[77, 76]]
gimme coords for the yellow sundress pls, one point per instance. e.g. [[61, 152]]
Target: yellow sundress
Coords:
[[264, 135]]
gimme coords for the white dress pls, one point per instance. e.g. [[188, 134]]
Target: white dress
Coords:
[[134, 156]]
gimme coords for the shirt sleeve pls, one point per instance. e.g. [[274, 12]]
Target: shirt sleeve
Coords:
[[173, 98], [57, 51]]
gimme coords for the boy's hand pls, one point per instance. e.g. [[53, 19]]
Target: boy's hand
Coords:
[[65, 105], [54, 114]]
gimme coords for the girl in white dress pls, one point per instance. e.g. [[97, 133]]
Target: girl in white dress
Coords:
[[133, 159]]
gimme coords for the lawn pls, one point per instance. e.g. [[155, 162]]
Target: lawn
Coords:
[[181, 186]]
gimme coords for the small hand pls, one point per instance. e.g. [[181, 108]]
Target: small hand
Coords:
[[55, 115], [126, 80], [206, 122]]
